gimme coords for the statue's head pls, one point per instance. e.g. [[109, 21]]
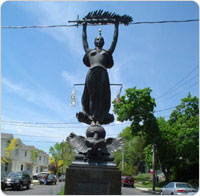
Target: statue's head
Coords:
[[99, 41]]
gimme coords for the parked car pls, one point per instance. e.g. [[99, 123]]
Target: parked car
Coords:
[[50, 179], [61, 178], [127, 181], [17, 180], [41, 175], [54, 179], [176, 188], [3, 184]]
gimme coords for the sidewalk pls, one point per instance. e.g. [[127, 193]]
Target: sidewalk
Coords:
[[148, 190]]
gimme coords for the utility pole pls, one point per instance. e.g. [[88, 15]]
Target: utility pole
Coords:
[[122, 159], [153, 167], [62, 155]]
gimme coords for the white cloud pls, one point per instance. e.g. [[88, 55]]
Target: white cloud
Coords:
[[70, 79], [41, 98], [10, 85]]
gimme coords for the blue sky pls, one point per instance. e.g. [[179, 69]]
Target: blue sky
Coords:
[[40, 66]]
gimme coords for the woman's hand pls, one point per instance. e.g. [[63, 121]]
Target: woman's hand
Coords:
[[116, 22], [84, 23]]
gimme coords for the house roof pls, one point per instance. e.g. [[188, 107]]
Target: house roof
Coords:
[[7, 135], [21, 144]]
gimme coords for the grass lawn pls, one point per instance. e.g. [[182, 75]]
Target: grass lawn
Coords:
[[148, 185], [62, 191]]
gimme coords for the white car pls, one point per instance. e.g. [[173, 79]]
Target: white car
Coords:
[[177, 188], [194, 192]]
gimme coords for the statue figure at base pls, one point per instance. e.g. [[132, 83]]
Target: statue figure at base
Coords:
[[95, 148]]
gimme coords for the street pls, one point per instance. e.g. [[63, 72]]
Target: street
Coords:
[[55, 189], [134, 191], [36, 189]]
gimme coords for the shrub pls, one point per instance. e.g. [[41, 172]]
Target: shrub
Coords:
[[143, 177]]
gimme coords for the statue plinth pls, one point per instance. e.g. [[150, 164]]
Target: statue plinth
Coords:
[[92, 179]]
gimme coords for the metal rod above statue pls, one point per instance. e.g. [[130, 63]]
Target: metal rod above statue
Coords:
[[96, 98]]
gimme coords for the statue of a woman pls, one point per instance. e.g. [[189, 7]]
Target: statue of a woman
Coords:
[[96, 98]]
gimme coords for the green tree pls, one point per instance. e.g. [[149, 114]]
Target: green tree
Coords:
[[61, 152], [178, 145], [176, 140], [165, 149], [34, 156], [55, 167], [133, 153], [8, 151], [137, 106], [184, 123]]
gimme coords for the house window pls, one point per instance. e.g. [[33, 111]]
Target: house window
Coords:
[[40, 158], [25, 153], [41, 169], [22, 167], [36, 169]]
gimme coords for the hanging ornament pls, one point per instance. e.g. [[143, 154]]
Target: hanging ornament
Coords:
[[118, 95], [73, 98]]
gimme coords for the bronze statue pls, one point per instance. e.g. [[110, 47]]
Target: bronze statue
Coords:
[[96, 97]]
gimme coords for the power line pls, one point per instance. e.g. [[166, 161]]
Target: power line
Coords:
[[29, 124], [40, 141], [165, 109], [150, 119], [165, 21], [45, 136], [75, 25], [178, 87], [54, 127], [176, 84], [197, 82], [36, 26], [23, 122]]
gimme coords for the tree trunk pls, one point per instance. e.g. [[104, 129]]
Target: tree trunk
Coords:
[[166, 171], [167, 177]]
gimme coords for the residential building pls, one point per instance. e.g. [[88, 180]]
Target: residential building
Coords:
[[21, 157]]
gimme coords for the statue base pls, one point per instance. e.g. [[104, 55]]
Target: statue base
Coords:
[[94, 148], [83, 178]]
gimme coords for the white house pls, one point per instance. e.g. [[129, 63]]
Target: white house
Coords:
[[21, 157]]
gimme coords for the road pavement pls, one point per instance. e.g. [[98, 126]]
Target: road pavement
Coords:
[[136, 191], [55, 189], [36, 189]]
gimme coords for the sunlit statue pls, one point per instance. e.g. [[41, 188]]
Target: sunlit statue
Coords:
[[96, 98]]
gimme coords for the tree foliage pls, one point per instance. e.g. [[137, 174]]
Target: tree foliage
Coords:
[[55, 166], [133, 153], [8, 151], [176, 139], [137, 106], [34, 155], [62, 155], [184, 123]]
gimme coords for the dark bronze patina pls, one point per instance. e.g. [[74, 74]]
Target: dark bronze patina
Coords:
[[96, 98]]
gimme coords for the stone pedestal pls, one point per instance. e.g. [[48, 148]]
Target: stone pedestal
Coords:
[[83, 178]]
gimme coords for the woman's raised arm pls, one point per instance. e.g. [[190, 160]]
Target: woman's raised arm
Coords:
[[84, 37], [115, 37]]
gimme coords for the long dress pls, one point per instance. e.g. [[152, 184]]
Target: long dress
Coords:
[[96, 98]]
